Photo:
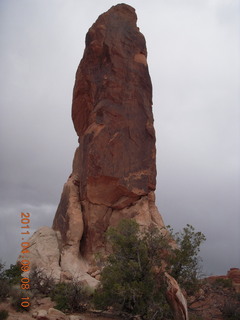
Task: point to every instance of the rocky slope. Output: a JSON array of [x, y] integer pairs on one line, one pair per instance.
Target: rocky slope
[[217, 298]]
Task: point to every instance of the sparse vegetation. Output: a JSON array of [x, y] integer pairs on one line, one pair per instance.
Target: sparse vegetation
[[3, 314], [128, 282], [40, 282], [8, 280], [195, 317], [13, 274], [16, 300], [71, 297], [133, 280], [224, 283], [5, 287], [2, 265], [237, 296], [231, 310], [185, 262]]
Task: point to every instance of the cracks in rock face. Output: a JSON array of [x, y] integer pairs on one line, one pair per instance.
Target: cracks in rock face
[[59, 260], [131, 138]]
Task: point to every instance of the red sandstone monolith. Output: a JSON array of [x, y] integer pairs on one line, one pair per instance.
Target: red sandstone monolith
[[114, 167], [114, 170]]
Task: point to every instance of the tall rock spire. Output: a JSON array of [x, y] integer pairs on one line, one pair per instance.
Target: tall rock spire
[[112, 112], [114, 170]]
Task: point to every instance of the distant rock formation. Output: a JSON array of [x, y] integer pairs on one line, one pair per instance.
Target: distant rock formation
[[114, 167], [233, 274]]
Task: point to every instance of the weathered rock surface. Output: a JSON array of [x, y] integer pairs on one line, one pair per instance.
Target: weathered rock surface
[[112, 113], [40, 315], [114, 167], [55, 312], [176, 299], [48, 255], [51, 314], [44, 252]]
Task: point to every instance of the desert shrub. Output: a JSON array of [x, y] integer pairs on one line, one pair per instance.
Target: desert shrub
[[133, 279], [40, 282], [194, 316], [72, 297], [13, 274], [16, 300], [8, 278], [237, 297], [224, 283], [3, 314], [5, 289], [129, 281], [231, 310], [185, 262], [2, 265]]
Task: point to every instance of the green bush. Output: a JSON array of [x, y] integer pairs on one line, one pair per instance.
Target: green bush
[[13, 274], [224, 283], [185, 261], [40, 282], [133, 279], [72, 297], [5, 289], [129, 283], [7, 279], [2, 265], [231, 310], [3, 314]]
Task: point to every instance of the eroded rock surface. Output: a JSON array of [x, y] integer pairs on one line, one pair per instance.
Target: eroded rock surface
[[176, 299], [112, 113], [114, 168], [44, 252]]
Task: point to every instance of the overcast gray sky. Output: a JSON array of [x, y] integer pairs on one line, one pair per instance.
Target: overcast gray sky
[[194, 61]]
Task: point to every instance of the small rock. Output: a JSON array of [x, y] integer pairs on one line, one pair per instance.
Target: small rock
[[92, 270], [96, 273], [45, 300], [42, 315], [76, 317], [66, 275], [191, 299], [57, 313], [201, 292], [137, 317]]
